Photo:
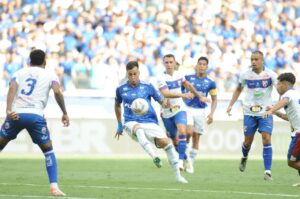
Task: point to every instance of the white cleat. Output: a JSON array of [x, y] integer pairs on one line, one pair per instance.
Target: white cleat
[[180, 165], [181, 179], [268, 177], [188, 165], [56, 192], [296, 184]]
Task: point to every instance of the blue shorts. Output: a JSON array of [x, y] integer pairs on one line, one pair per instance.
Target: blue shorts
[[170, 123], [253, 123], [294, 149], [35, 125]]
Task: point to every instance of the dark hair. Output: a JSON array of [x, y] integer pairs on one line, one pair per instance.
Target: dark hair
[[169, 55], [130, 65], [37, 57], [289, 77], [203, 58], [258, 52]]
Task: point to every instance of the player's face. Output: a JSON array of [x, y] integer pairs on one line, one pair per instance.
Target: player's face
[[201, 67], [281, 87], [257, 62], [133, 76], [169, 63]]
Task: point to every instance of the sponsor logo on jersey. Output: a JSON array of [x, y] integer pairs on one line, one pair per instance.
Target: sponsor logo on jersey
[[6, 125], [44, 130]]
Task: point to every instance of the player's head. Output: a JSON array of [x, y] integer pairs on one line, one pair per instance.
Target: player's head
[[285, 82], [37, 58], [133, 73], [169, 63], [202, 66], [257, 61]]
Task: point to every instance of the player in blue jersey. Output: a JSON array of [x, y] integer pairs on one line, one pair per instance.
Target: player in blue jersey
[[196, 108], [26, 99], [144, 129], [174, 118], [258, 83], [290, 101]]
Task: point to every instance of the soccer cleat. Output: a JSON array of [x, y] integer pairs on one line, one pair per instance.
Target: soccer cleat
[[296, 184], [56, 192], [188, 165], [157, 161], [181, 179], [268, 177], [180, 165], [243, 164]]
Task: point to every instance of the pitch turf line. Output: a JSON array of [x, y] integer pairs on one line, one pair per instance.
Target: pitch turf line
[[30, 196], [155, 189]]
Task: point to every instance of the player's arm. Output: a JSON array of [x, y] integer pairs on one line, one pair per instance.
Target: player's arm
[[213, 107], [235, 96], [275, 109], [191, 88], [118, 113], [168, 94], [61, 103], [13, 86]]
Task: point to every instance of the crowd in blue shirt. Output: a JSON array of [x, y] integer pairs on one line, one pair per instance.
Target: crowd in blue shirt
[[89, 42]]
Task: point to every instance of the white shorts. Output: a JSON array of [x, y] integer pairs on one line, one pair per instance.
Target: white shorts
[[196, 118], [151, 130]]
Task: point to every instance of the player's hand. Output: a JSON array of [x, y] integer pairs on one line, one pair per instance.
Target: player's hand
[[228, 111], [188, 95], [12, 115], [268, 108], [209, 119], [119, 130], [204, 99], [267, 113], [65, 120]]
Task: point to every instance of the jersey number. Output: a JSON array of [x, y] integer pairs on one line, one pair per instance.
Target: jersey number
[[31, 84]]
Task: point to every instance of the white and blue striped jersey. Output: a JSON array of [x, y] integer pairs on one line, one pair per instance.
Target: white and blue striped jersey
[[34, 84], [126, 94], [174, 84], [292, 109], [258, 90], [203, 86]]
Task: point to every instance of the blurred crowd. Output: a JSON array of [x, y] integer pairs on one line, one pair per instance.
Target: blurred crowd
[[88, 42]]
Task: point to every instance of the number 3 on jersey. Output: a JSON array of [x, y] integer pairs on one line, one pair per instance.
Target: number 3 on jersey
[[30, 84]]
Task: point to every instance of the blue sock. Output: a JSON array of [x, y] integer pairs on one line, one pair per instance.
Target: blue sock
[[182, 147], [51, 166], [267, 155], [245, 150]]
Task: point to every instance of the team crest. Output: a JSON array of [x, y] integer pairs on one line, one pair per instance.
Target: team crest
[[265, 83], [6, 126], [44, 130]]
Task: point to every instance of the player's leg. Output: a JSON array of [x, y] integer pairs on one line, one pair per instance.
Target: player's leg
[[3, 143], [38, 130], [294, 155], [137, 132], [195, 146], [180, 121], [265, 127], [9, 131], [250, 127]]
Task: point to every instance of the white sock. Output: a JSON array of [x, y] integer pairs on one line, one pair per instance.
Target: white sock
[[193, 154], [268, 171], [172, 158], [54, 185], [144, 142]]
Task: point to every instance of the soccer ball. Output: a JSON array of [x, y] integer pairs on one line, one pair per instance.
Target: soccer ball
[[139, 106]]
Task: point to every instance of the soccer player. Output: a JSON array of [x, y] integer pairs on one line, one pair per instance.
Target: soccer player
[[144, 129], [196, 108], [26, 99], [290, 101], [258, 82], [174, 118]]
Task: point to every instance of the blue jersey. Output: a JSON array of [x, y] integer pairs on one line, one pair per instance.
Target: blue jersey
[[203, 86], [126, 94]]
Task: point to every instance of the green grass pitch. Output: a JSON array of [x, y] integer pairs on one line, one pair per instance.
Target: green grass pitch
[[120, 178]]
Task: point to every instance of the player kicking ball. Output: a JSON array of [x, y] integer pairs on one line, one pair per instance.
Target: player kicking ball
[[290, 101], [142, 126], [26, 99]]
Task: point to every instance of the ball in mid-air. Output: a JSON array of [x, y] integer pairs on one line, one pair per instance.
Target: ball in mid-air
[[139, 106]]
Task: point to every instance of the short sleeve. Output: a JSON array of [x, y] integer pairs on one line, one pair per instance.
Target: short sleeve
[[118, 98]]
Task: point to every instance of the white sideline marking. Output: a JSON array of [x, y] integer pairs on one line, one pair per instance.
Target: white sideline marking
[[147, 188], [30, 196]]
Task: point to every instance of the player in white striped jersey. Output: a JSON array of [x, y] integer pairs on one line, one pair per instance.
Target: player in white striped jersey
[[174, 118], [26, 99], [290, 101], [258, 82]]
